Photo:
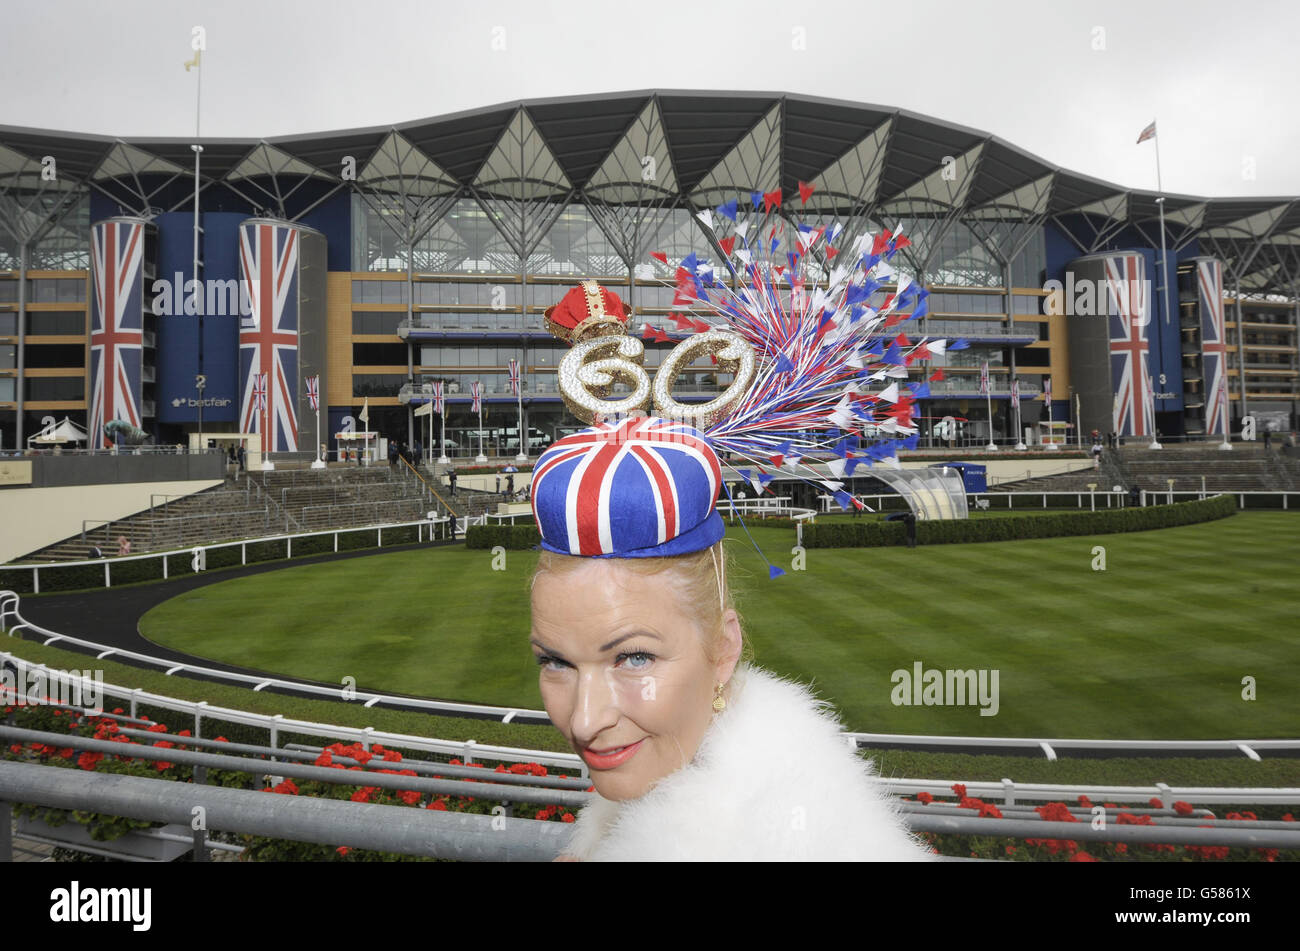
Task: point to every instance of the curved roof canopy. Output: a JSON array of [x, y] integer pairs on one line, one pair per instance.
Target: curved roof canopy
[[624, 153]]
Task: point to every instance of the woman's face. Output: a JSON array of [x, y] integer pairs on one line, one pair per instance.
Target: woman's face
[[624, 675]]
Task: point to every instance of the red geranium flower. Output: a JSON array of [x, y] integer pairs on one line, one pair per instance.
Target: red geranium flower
[[342, 850], [1155, 802], [990, 811], [568, 817], [925, 797], [959, 790], [1082, 857], [1183, 808]]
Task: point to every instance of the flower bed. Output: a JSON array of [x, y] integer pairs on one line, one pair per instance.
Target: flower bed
[[1069, 850], [105, 828]]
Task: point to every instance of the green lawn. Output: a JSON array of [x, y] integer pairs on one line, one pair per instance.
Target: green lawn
[[1155, 646]]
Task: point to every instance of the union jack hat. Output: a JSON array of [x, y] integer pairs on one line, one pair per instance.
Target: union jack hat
[[640, 487]]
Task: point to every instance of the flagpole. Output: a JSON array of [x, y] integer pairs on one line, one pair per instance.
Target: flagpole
[[320, 446], [1164, 282], [992, 446], [1020, 435], [478, 398], [519, 392], [1223, 397], [987, 385], [1051, 423], [267, 464]]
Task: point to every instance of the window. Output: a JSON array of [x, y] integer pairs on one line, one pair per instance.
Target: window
[[8, 390], [383, 322], [56, 388], [379, 354], [377, 384], [62, 290], [42, 356], [8, 291], [8, 357], [8, 324], [56, 322]]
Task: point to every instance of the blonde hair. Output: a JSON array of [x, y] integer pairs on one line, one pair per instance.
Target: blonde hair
[[700, 578]]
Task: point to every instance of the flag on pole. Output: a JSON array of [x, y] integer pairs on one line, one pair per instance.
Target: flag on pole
[[1047, 390], [1148, 133], [437, 397], [984, 379], [514, 377], [259, 391], [476, 389], [364, 415], [313, 391], [1015, 393]]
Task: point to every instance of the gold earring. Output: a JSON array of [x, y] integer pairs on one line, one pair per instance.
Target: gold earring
[[719, 704]]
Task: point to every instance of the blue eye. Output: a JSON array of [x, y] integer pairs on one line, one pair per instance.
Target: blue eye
[[546, 662], [641, 659]]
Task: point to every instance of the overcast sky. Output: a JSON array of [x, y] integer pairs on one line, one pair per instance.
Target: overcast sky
[[1072, 82]]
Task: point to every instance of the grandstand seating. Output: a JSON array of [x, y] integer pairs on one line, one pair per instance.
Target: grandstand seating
[[265, 503], [1246, 468]]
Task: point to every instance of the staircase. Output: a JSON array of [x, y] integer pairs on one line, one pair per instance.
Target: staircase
[[1247, 467], [225, 512]]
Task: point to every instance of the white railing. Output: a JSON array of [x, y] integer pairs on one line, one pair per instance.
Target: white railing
[[1048, 748], [9, 608], [276, 724], [1008, 790], [1157, 497], [198, 553]]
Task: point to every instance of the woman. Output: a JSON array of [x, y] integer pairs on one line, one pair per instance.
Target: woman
[[695, 754]]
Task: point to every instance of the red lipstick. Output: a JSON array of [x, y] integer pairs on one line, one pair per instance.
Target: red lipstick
[[611, 757]]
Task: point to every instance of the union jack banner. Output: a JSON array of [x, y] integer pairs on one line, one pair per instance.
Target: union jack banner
[[627, 486], [1015, 393], [268, 337], [514, 377], [984, 379], [1047, 389], [313, 391], [1214, 345], [476, 389], [437, 397], [1129, 371], [116, 326], [1148, 133], [259, 395]]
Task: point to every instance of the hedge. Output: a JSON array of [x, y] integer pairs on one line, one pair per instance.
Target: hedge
[[510, 537], [874, 533]]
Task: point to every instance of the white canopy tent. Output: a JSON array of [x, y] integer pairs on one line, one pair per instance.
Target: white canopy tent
[[61, 432]]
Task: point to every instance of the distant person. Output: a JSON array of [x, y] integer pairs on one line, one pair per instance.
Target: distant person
[[243, 458], [94, 552], [451, 478], [392, 454], [510, 485], [1135, 496], [123, 546], [418, 452], [1096, 452], [1268, 439]]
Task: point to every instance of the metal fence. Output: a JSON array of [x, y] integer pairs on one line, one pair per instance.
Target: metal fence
[[425, 527], [13, 621]]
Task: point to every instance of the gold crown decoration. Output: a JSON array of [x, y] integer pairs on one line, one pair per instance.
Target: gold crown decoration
[[586, 312]]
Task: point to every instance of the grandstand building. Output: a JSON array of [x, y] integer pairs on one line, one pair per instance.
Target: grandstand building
[[382, 261]]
